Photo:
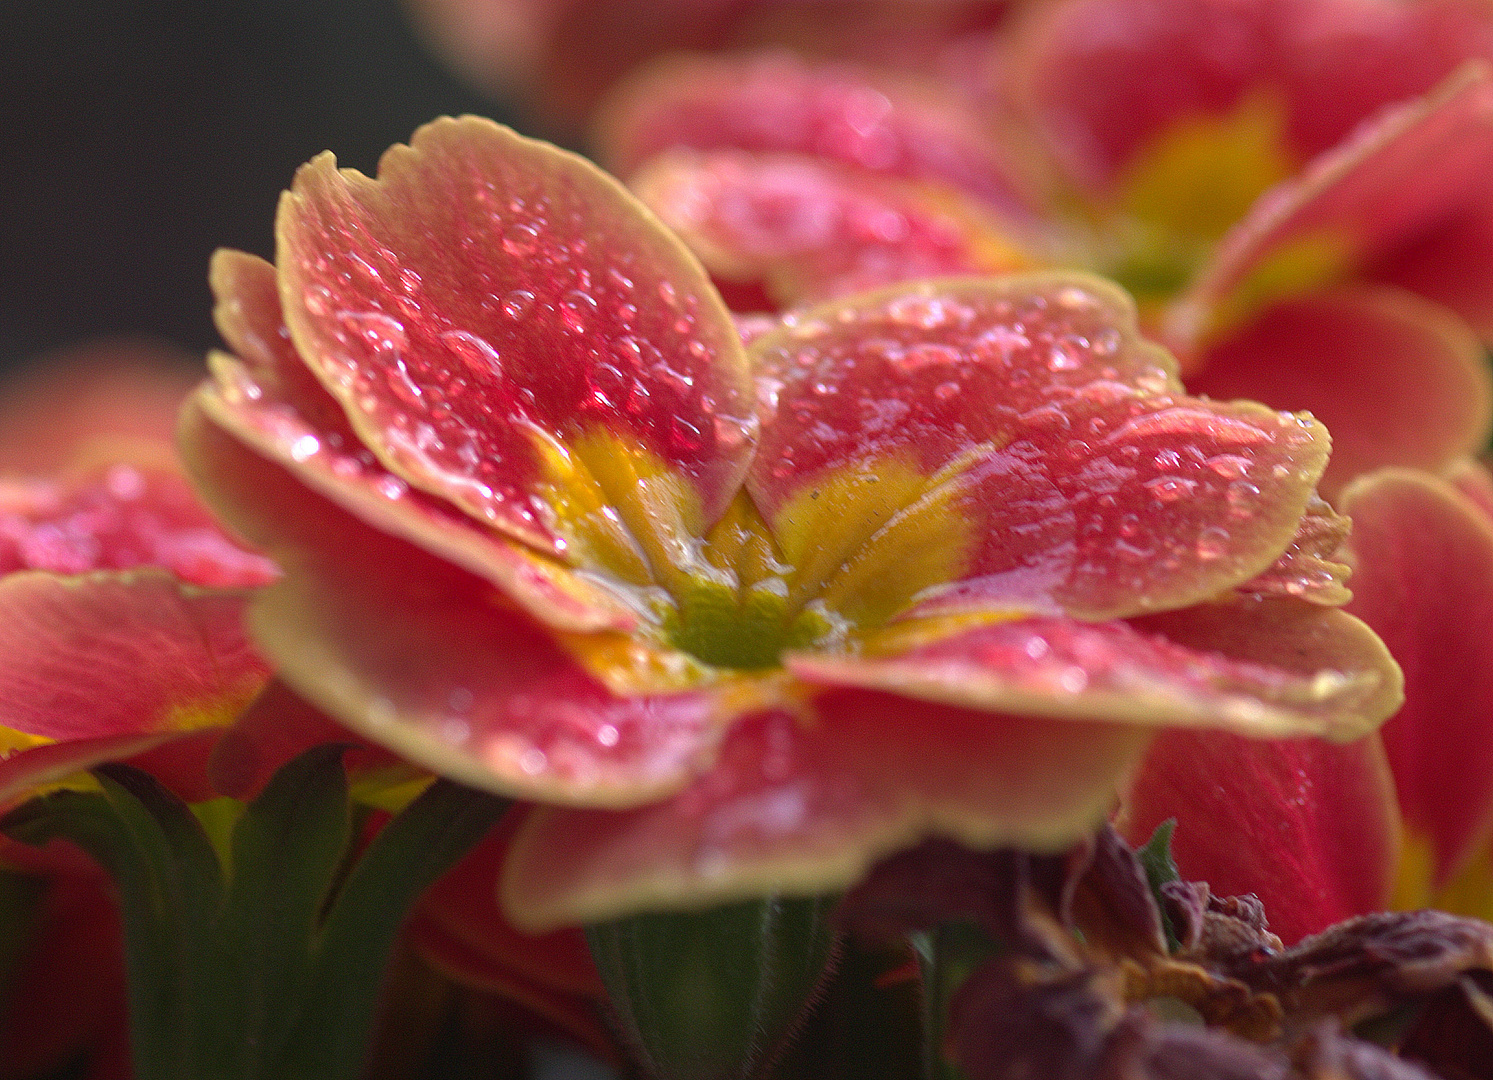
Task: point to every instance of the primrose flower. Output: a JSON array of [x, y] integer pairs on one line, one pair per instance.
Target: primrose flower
[[558, 56], [1295, 191], [937, 559], [1403, 818]]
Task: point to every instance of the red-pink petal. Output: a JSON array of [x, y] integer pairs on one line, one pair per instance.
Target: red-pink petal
[[805, 805], [1104, 78], [118, 390], [1396, 178], [1308, 827], [240, 408], [127, 653], [117, 515], [1451, 263], [1423, 579], [1260, 668], [1086, 479], [808, 230], [24, 771], [419, 655], [1396, 379], [487, 291], [776, 102]]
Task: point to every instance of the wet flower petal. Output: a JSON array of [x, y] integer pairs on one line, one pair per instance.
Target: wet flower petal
[[803, 805], [128, 653], [777, 103], [1107, 78], [116, 515], [1423, 557], [1396, 379], [270, 402], [455, 678], [1392, 179], [486, 299], [808, 230], [1015, 437], [1260, 668], [1308, 827]]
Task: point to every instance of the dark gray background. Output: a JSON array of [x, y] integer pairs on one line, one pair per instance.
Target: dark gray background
[[138, 135]]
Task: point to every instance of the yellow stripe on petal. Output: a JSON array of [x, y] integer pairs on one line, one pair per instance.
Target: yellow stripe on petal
[[1471, 891], [12, 740], [1200, 175], [868, 538]]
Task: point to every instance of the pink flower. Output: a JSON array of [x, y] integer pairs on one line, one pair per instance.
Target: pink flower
[[1403, 818], [1296, 190], [937, 559]]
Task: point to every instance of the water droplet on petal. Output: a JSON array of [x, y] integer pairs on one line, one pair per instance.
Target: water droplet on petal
[[1168, 489], [480, 357], [304, 447], [518, 303], [520, 240], [1212, 543]]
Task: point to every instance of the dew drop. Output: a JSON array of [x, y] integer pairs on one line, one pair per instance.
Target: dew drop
[[520, 240], [667, 293], [304, 447], [946, 391], [576, 309], [125, 482], [517, 303], [1168, 489], [533, 760], [1129, 526], [391, 487], [1241, 497], [1229, 466], [1168, 459], [383, 333], [479, 357], [1212, 543], [608, 735]]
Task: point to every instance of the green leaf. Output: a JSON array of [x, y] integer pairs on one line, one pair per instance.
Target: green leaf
[[1156, 859], [287, 847], [170, 886], [331, 1037], [713, 995]]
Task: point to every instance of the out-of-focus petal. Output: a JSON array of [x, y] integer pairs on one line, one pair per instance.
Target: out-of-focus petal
[[1402, 174], [777, 103], [117, 515], [1309, 827], [115, 390], [276, 727], [129, 653], [1014, 437], [808, 230], [1397, 380], [1423, 579], [1451, 263], [464, 903], [804, 804], [1266, 668], [46, 763], [489, 299], [1106, 79], [424, 658]]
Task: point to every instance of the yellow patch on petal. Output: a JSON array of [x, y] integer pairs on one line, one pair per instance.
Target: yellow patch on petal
[[622, 512], [867, 539], [1201, 174], [1293, 268], [390, 789], [1412, 887], [1470, 892], [12, 740]]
